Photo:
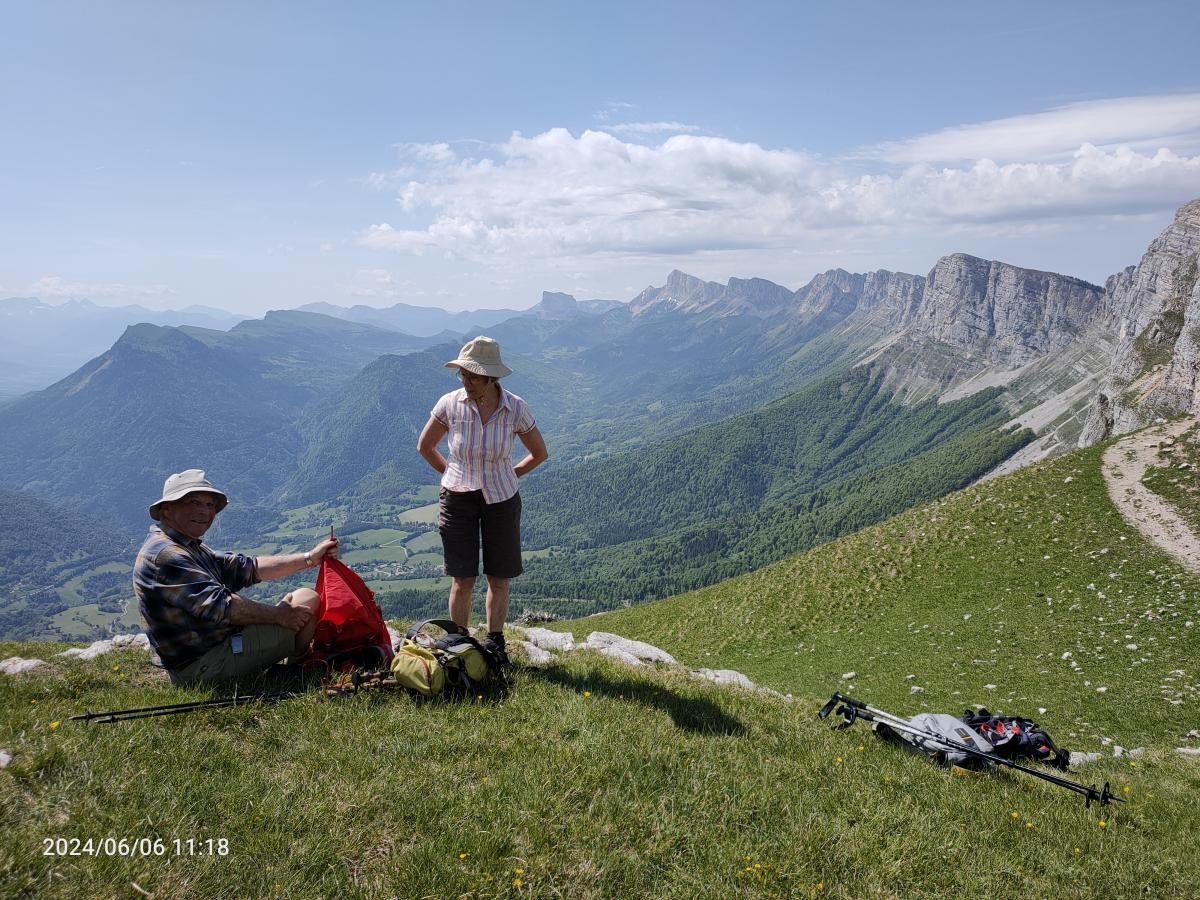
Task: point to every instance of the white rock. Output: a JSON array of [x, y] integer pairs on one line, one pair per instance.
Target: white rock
[[916, 690], [1188, 751], [725, 677], [1118, 750], [1193, 733], [1131, 646], [15, 665], [620, 656], [545, 639], [846, 676], [989, 687], [1041, 710], [537, 656], [966, 616], [119, 642], [1067, 655], [1101, 690], [598, 640], [1136, 752], [1078, 759], [394, 636], [909, 677], [5, 758]]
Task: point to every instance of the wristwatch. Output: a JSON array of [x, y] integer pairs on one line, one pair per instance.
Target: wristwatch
[[308, 560]]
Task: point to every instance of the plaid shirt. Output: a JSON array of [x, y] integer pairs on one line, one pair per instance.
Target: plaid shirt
[[183, 591], [480, 456]]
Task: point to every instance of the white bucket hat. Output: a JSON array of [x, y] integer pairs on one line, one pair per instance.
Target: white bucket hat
[[480, 356], [180, 485]]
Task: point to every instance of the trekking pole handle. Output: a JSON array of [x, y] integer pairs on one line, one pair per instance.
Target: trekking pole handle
[[828, 707]]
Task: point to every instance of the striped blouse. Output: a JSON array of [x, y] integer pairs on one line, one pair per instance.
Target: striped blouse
[[480, 456]]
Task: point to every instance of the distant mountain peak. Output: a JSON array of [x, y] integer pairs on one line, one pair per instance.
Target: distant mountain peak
[[710, 299]]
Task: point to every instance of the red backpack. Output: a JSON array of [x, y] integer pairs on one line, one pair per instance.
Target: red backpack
[[350, 629]]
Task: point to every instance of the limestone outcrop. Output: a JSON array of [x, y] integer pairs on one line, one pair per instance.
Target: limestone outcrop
[[1154, 308]]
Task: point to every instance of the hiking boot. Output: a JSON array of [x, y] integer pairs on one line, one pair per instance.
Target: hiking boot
[[494, 644]]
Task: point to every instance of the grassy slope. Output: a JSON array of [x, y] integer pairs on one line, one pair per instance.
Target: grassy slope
[[989, 586], [595, 780]]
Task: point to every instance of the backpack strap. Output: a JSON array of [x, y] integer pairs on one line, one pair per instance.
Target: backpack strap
[[459, 635], [447, 625]]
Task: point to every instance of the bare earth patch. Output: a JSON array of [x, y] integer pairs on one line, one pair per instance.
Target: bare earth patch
[[1124, 464]]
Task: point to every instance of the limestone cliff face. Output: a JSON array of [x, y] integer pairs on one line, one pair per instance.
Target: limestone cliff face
[[1154, 308], [1007, 314]]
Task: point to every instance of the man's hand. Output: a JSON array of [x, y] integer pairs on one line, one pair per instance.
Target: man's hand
[[327, 547], [293, 618]]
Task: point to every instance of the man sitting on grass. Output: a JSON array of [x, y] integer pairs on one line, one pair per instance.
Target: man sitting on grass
[[199, 626]]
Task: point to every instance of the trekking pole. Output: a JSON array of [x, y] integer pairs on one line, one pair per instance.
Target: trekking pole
[[171, 709], [851, 709]]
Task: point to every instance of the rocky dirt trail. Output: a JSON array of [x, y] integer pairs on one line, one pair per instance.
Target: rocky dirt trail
[[1124, 464]]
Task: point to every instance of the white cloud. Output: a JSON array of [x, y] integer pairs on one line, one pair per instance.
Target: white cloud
[[561, 198], [638, 128], [1144, 123], [54, 287]]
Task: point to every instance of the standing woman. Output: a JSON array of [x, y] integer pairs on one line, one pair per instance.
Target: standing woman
[[479, 499]]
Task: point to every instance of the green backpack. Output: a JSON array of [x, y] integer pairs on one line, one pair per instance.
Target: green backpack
[[452, 666]]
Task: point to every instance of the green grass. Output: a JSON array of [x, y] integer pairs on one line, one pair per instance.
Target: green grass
[[596, 780], [430, 540], [427, 515], [592, 779], [1177, 479], [989, 586]]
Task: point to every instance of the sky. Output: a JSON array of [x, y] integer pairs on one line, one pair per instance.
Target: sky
[[255, 156]]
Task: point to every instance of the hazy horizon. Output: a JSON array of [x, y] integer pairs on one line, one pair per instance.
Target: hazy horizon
[[265, 156]]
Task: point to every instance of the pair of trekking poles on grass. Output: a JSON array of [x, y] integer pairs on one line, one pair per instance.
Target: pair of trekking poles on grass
[[942, 736], [949, 741]]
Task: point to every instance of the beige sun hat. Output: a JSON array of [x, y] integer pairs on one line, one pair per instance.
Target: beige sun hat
[[181, 484], [480, 356]]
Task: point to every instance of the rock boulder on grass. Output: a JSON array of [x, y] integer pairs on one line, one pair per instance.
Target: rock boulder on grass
[[599, 640], [546, 639], [15, 665], [725, 677]]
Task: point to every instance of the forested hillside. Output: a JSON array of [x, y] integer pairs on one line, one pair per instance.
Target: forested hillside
[[730, 497], [41, 547]]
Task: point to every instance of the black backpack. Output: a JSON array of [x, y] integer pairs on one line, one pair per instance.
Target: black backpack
[[1015, 738]]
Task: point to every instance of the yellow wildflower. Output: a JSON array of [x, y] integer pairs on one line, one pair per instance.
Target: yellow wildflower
[[463, 855], [55, 724], [839, 759], [1015, 814], [1028, 824], [516, 882], [1102, 824], [587, 693]]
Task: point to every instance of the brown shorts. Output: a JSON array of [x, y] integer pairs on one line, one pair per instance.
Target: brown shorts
[[262, 644], [465, 522]]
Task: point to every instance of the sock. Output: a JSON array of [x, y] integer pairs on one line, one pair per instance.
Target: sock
[[496, 637]]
